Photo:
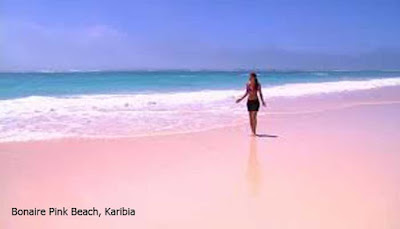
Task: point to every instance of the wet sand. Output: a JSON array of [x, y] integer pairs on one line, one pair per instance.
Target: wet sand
[[329, 161]]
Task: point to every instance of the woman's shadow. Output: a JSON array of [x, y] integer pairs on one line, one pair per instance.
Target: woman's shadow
[[266, 136]]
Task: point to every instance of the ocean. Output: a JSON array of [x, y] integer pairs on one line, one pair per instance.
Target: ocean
[[99, 104]]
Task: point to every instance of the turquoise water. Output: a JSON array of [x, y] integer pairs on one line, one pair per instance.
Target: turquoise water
[[16, 85], [40, 106]]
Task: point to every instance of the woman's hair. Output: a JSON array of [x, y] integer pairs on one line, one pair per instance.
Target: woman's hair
[[253, 74]]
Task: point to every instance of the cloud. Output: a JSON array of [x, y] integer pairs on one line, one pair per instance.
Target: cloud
[[33, 46]]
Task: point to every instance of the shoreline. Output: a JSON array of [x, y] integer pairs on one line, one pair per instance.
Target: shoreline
[[307, 104]]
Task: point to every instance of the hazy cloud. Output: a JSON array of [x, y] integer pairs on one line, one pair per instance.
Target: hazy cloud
[[34, 46]]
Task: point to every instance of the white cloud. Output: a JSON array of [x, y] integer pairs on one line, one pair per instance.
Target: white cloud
[[33, 46], [28, 45]]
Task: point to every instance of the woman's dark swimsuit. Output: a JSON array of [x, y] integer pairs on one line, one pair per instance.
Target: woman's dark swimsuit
[[253, 105]]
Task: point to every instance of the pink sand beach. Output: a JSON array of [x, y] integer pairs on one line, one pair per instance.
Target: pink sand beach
[[326, 161]]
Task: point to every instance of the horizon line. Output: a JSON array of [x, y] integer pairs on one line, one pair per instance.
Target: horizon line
[[194, 70]]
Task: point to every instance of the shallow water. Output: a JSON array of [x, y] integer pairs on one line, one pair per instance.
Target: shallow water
[[124, 104]]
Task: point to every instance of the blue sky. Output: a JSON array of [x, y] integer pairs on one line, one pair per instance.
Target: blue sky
[[88, 35]]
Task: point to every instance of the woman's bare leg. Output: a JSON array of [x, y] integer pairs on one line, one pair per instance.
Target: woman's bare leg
[[252, 122], [255, 122]]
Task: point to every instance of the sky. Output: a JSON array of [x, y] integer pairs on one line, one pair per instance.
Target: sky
[[204, 34]]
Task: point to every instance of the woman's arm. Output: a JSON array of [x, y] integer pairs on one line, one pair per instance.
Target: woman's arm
[[244, 96], [261, 95]]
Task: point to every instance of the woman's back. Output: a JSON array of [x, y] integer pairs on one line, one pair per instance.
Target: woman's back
[[252, 89]]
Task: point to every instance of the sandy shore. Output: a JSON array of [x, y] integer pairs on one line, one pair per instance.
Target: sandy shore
[[334, 163]]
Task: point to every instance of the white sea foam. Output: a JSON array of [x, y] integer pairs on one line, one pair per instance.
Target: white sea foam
[[124, 115], [302, 89]]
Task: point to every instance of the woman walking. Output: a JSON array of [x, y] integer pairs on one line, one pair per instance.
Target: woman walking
[[253, 87]]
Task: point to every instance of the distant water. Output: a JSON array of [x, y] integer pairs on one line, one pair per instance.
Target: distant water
[[36, 106]]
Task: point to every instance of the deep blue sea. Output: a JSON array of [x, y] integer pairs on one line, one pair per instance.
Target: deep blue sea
[[46, 105], [17, 85]]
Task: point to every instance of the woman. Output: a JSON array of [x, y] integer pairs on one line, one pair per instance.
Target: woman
[[253, 104]]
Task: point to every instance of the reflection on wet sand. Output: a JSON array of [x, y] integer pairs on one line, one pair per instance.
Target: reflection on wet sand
[[253, 169]]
